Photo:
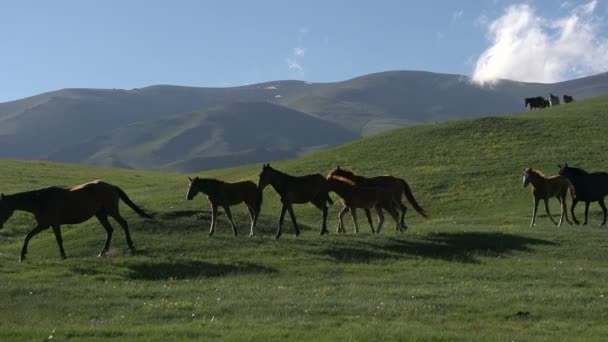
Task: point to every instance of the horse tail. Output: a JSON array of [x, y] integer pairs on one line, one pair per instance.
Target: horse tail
[[123, 196], [410, 198], [258, 200]]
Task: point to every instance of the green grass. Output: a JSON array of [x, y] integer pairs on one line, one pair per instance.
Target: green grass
[[461, 275]]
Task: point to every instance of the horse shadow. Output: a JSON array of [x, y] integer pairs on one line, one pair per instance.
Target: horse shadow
[[462, 247], [188, 269]]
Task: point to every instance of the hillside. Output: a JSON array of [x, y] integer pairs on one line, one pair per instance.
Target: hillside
[[475, 268], [71, 124]]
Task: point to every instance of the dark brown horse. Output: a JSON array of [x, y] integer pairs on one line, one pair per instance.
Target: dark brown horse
[[398, 185], [55, 206], [225, 194], [354, 196], [545, 188], [568, 99], [588, 187], [536, 102], [296, 190]]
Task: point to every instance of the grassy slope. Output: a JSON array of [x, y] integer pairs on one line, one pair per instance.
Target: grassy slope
[[462, 274]]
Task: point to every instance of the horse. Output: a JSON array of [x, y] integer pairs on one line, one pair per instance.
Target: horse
[[535, 102], [54, 206], [225, 194], [568, 99], [354, 196], [588, 187], [395, 184], [545, 188], [553, 100], [296, 190]]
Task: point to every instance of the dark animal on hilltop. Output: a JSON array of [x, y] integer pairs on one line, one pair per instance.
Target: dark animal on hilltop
[[545, 188], [354, 196], [588, 187], [553, 100], [223, 194], [568, 99], [55, 206], [295, 190], [536, 102], [395, 184]]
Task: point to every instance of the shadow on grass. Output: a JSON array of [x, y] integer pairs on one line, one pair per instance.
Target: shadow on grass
[[188, 269], [171, 215], [464, 247]]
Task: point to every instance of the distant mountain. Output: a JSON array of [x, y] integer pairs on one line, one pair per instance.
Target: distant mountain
[[189, 128]]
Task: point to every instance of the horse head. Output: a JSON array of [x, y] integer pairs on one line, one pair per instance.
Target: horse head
[[192, 188], [527, 178], [265, 177], [6, 210]]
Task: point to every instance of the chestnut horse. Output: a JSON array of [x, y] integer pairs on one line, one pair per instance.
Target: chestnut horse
[[588, 187], [296, 190], [225, 194], [55, 206], [544, 188], [354, 196], [395, 184]]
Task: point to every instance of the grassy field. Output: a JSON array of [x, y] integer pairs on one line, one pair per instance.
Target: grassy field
[[473, 271]]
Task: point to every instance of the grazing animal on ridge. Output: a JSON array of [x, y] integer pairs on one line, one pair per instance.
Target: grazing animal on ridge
[[536, 102], [225, 194], [54, 206], [568, 99], [354, 196], [553, 100], [544, 188], [295, 190], [588, 187], [395, 184]]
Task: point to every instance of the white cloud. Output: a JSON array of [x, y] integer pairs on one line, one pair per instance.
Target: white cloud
[[299, 51], [457, 15], [528, 47], [293, 64]]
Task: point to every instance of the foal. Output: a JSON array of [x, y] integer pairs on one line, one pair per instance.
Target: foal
[[354, 196], [545, 188], [225, 194], [55, 206], [296, 190]]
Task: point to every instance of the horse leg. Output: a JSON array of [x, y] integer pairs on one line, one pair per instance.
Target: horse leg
[[369, 219], [281, 218], [380, 219], [546, 200], [293, 220], [125, 226], [353, 213], [213, 219], [534, 210], [253, 217], [393, 212], [565, 209], [28, 237], [574, 202], [603, 205], [103, 219], [586, 212], [403, 209], [57, 231], [324, 226], [561, 216], [229, 214], [341, 220]]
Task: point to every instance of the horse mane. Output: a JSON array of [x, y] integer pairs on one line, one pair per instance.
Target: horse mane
[[536, 172], [343, 180], [577, 170]]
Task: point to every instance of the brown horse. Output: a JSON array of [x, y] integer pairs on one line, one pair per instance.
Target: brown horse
[[296, 190], [354, 196], [225, 194], [544, 188], [398, 185], [55, 206]]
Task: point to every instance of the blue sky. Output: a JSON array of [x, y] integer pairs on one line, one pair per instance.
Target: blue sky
[[49, 45]]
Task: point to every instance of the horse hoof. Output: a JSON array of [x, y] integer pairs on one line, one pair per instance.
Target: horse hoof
[[63, 257], [22, 258], [277, 237]]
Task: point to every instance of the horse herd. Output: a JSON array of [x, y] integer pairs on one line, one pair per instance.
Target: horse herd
[[583, 186], [540, 102], [56, 206]]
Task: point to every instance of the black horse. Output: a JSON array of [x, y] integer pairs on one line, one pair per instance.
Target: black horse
[[588, 187], [536, 102]]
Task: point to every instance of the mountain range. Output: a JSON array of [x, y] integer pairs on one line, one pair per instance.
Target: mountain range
[[195, 128]]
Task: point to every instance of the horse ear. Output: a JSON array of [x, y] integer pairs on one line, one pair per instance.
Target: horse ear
[[190, 179], [2, 196], [338, 167], [566, 165]]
